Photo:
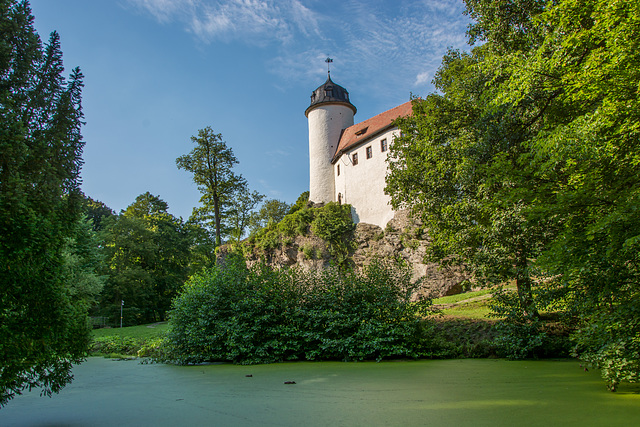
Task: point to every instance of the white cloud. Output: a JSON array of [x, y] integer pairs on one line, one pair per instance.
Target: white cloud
[[257, 21], [305, 19], [422, 78], [378, 44], [165, 10]]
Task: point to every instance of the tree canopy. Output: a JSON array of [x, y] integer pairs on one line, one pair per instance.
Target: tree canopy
[[211, 163], [43, 324], [148, 254], [525, 165]]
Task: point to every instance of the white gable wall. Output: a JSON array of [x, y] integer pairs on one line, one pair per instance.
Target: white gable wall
[[362, 185]]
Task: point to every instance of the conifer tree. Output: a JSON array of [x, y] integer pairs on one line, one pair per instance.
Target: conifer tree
[[43, 326]]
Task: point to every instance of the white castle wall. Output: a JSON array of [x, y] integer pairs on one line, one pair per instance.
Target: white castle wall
[[362, 185], [326, 122]]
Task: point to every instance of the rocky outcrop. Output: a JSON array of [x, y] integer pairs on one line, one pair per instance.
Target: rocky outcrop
[[405, 238], [402, 238]]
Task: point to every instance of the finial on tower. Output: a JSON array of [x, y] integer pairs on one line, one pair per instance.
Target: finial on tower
[[328, 61]]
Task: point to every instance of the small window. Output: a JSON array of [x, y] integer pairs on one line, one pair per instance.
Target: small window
[[338, 169], [339, 198], [369, 152], [354, 159], [383, 145], [328, 91]]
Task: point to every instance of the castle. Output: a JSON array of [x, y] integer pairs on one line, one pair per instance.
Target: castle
[[347, 161]]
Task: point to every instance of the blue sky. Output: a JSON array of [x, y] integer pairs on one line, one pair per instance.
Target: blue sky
[[156, 71]]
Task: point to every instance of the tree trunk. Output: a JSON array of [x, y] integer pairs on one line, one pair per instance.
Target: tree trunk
[[523, 284], [216, 214]]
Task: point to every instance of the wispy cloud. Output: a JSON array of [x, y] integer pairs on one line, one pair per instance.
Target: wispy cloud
[[166, 10], [256, 21], [385, 45], [422, 79], [267, 188]]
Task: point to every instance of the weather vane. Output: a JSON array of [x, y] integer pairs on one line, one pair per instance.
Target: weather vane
[[328, 61]]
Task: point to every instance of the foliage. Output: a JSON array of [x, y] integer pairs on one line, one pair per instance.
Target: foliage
[[139, 332], [140, 341], [271, 212], [84, 261], [97, 212], [211, 163], [241, 212], [148, 254], [146, 205], [585, 71], [523, 335], [611, 343], [457, 338], [525, 168], [43, 327], [301, 202], [115, 345], [311, 252], [264, 315], [462, 167], [333, 223], [125, 345]]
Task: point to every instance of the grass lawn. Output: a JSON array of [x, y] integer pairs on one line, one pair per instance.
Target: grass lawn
[[125, 342], [469, 305], [141, 332]]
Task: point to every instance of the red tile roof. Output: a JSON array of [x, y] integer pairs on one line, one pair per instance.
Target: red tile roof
[[364, 131]]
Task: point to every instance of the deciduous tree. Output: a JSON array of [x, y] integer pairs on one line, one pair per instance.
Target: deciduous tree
[[272, 211], [211, 163], [530, 152], [148, 252], [241, 210]]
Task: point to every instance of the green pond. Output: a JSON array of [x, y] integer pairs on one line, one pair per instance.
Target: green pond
[[400, 393]]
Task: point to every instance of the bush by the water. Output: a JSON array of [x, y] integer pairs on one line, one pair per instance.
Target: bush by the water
[[521, 335], [261, 315]]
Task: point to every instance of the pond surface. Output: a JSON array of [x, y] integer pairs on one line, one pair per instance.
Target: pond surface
[[403, 393]]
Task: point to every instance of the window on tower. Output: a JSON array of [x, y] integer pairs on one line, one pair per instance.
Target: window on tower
[[328, 91], [354, 159], [383, 145], [369, 152], [338, 169]]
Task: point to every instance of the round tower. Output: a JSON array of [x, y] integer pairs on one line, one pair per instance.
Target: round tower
[[329, 114]]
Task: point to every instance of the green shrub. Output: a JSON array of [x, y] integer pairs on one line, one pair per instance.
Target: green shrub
[[296, 223], [110, 345], [309, 251], [151, 348], [115, 344], [457, 338], [333, 223], [366, 315], [522, 336], [610, 341], [264, 315]]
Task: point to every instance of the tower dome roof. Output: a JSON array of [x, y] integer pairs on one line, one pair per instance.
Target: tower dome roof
[[330, 93]]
